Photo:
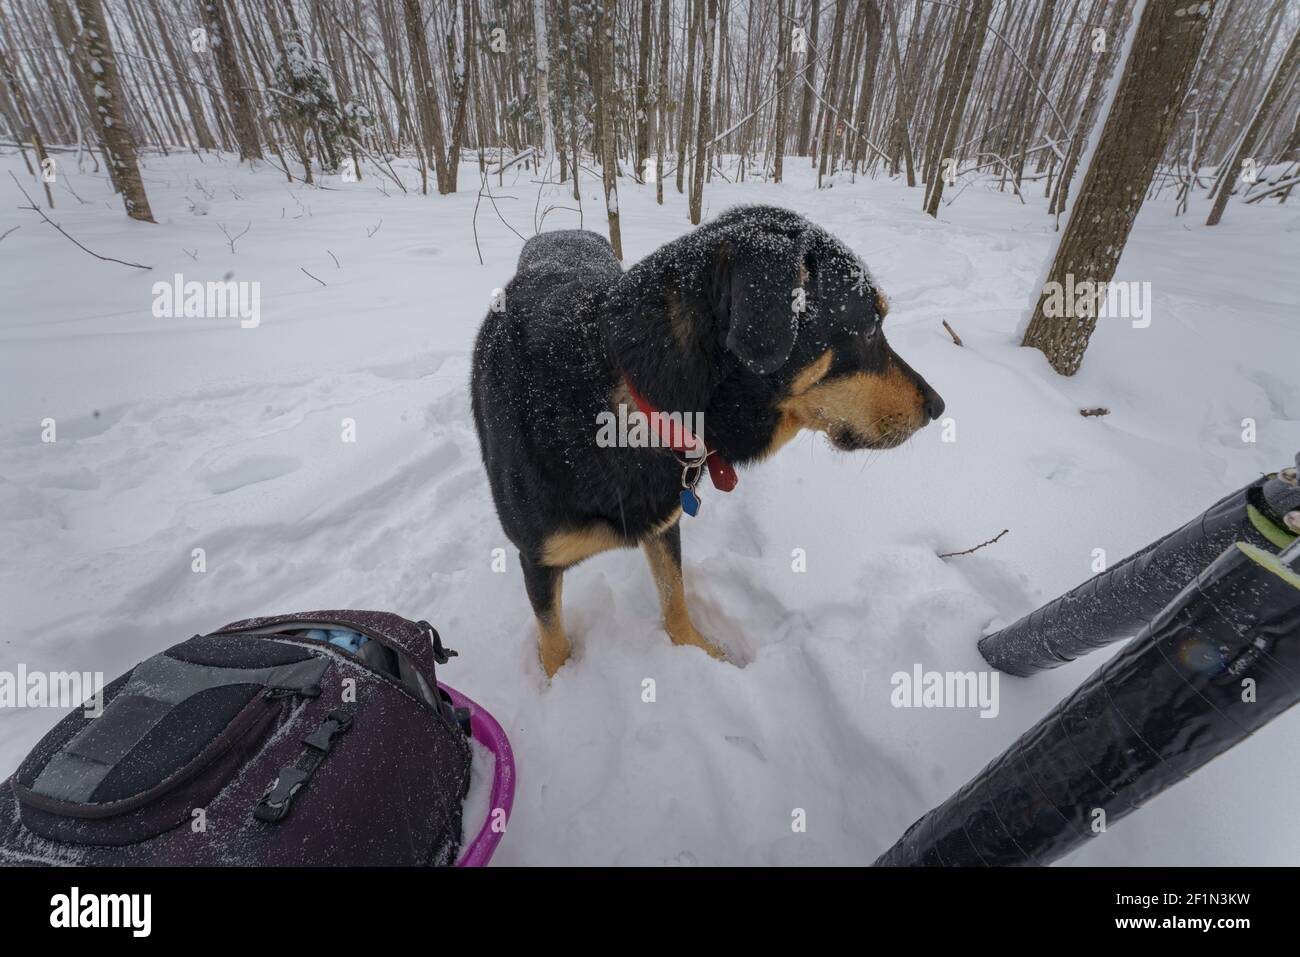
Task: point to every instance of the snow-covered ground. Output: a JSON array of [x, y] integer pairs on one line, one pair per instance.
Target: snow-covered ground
[[177, 434]]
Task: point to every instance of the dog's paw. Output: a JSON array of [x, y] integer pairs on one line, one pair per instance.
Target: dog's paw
[[692, 637], [553, 662], [553, 650], [713, 649]]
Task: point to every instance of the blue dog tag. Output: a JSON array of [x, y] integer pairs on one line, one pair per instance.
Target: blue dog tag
[[690, 502]]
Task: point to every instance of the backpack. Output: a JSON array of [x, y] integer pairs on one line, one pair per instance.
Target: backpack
[[314, 738]]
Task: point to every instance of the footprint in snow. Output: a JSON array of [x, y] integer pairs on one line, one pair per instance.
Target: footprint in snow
[[250, 471]]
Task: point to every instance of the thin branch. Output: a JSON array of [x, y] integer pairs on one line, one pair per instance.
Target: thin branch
[[231, 240], [977, 547], [1275, 188], [485, 185], [36, 209]]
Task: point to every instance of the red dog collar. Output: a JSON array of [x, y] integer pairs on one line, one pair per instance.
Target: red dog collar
[[680, 439]]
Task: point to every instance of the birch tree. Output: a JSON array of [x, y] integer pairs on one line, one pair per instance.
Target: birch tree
[[603, 40], [704, 125], [543, 78]]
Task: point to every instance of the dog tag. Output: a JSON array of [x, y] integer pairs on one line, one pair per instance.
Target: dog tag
[[690, 502]]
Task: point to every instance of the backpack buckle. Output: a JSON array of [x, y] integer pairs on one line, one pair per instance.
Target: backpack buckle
[[322, 739], [275, 802]]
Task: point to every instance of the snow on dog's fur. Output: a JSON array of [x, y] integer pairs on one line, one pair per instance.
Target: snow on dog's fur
[[759, 323]]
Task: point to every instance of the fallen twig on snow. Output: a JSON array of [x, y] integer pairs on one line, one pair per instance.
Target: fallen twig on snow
[[231, 240], [36, 209], [977, 547], [1275, 188]]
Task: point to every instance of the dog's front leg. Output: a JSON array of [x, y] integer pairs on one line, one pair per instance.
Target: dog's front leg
[[544, 585], [664, 552]]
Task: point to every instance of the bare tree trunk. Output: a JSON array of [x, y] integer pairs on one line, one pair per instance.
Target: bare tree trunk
[[110, 110], [847, 81], [462, 69], [871, 57], [721, 55], [1142, 117], [687, 121], [543, 76], [425, 93], [828, 120], [242, 111], [665, 49], [810, 65], [1105, 67], [783, 80], [603, 38], [706, 101], [643, 93], [25, 114], [192, 103], [69, 34], [1276, 88], [968, 55], [570, 69], [902, 102]]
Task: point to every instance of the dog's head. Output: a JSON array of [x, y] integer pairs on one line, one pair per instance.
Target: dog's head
[[774, 326], [803, 313]]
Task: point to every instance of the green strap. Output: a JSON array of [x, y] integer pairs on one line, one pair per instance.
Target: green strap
[[1279, 537], [1270, 562]]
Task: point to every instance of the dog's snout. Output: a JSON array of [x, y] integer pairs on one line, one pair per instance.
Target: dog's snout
[[931, 403]]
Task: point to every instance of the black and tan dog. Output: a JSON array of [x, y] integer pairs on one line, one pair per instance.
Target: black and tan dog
[[761, 322]]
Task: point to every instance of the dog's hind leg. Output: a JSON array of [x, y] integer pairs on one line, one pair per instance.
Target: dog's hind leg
[[664, 552], [544, 585]]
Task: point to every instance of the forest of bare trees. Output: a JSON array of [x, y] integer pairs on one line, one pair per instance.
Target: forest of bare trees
[[942, 94]]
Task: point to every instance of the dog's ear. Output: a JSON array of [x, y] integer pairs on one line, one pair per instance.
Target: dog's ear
[[755, 282], [840, 282]]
